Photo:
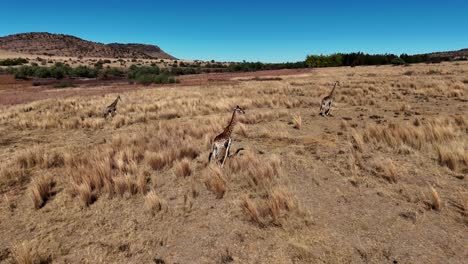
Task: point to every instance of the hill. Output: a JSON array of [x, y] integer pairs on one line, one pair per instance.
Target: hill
[[42, 43], [463, 53]]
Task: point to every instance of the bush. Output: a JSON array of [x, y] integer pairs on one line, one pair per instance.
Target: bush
[[43, 72], [134, 72], [64, 85], [397, 61], [85, 72], [114, 72], [24, 72], [98, 65], [147, 79], [60, 70], [13, 62]]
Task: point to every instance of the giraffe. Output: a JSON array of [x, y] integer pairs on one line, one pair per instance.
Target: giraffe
[[327, 102], [224, 140], [112, 108]]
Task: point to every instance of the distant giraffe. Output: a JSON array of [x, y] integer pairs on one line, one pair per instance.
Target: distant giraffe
[[111, 110], [327, 102], [223, 140]]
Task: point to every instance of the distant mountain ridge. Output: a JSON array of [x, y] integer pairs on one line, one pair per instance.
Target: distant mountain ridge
[[463, 53], [43, 43]]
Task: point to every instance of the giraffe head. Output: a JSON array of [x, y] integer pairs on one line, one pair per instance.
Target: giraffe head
[[118, 98], [239, 110]]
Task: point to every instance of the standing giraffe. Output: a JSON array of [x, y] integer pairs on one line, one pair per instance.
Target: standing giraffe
[[327, 102], [223, 140], [112, 108]]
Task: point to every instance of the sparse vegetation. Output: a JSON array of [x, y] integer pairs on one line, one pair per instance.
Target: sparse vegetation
[[64, 85], [297, 121], [436, 202], [41, 190], [13, 62], [146, 171]]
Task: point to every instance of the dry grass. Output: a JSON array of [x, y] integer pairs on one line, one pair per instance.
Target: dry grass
[[242, 130], [85, 193], [11, 204], [250, 208], [26, 253], [38, 156], [277, 205], [387, 170], [453, 156], [152, 157], [182, 168], [41, 190], [279, 201], [436, 201], [297, 121], [435, 131], [23, 254], [153, 202], [357, 140], [213, 179]]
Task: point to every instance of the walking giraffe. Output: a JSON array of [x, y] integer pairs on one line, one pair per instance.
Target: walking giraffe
[[112, 108], [327, 102], [223, 140]]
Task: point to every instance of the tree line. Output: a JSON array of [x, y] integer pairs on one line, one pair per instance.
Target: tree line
[[360, 58]]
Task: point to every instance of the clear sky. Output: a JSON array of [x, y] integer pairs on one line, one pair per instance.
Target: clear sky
[[268, 31]]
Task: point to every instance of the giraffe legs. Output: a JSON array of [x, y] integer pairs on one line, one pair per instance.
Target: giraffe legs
[[328, 109], [227, 147], [213, 153]]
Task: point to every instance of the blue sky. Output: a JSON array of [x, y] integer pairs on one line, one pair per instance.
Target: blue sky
[[266, 31]]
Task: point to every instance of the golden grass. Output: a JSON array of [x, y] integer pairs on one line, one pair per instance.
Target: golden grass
[[242, 130], [182, 168], [279, 200], [387, 170], [436, 131], [38, 156], [41, 190], [436, 201], [453, 156], [157, 146], [26, 253], [357, 140], [297, 121], [250, 208], [10, 202], [152, 202], [213, 179], [85, 193]]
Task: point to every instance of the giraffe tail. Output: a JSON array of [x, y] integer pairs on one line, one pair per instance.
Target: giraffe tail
[[237, 152]]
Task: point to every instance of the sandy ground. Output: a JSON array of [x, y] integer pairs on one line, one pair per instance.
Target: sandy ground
[[382, 180]]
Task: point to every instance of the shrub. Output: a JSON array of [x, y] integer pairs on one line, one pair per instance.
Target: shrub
[[397, 61], [85, 72], [114, 72], [13, 62], [42, 72], [60, 70], [147, 75], [64, 85], [135, 71]]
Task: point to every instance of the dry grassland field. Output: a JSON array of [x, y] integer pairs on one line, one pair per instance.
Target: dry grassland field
[[381, 180]]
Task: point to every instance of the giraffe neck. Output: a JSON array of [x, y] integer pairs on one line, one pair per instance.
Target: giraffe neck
[[228, 130], [332, 91], [114, 104]]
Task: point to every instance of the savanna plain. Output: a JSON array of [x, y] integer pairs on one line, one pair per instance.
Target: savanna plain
[[381, 180]]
